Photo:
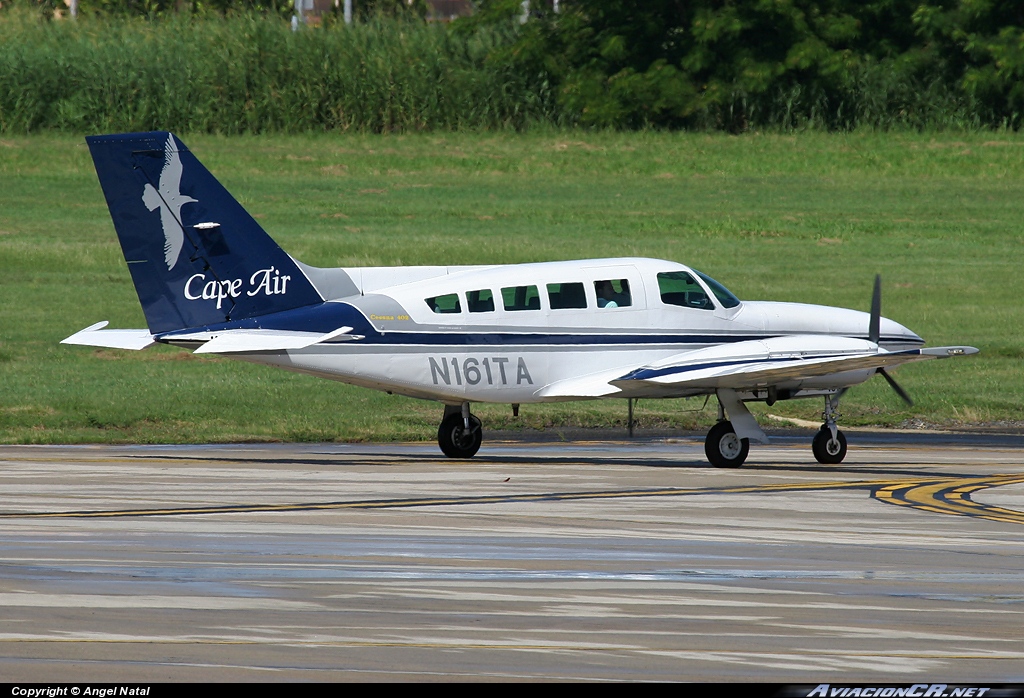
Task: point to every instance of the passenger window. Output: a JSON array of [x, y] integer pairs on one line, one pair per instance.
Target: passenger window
[[521, 298], [445, 304], [679, 288], [613, 293], [562, 296], [480, 301]]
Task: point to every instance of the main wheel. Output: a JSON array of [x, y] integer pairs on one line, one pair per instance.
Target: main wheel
[[828, 450], [724, 448], [455, 441]]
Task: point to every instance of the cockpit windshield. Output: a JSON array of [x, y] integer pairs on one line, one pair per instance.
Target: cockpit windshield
[[724, 295]]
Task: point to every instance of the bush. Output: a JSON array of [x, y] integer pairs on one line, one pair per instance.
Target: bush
[[251, 73]]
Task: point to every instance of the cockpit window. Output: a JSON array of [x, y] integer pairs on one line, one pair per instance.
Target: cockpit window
[[521, 298], [481, 301], [445, 304], [613, 293], [679, 288], [561, 296], [723, 294]]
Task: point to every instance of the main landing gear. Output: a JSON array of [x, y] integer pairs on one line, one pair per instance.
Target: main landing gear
[[459, 435], [724, 448]]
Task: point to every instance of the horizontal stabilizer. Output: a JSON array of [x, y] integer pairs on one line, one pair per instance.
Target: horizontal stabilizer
[[95, 336], [242, 341]]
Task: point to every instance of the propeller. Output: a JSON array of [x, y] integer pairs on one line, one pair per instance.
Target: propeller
[[874, 334]]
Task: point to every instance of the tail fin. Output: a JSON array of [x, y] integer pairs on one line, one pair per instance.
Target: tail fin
[[196, 257]]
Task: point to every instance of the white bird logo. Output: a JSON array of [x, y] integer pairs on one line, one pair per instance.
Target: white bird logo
[[169, 200]]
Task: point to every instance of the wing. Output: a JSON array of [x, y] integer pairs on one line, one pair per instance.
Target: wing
[[747, 365], [170, 175], [174, 237]]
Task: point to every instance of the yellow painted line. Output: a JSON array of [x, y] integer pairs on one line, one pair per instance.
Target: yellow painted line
[[953, 497], [950, 496], [453, 501]]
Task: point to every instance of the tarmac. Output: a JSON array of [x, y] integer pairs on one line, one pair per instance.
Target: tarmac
[[598, 559]]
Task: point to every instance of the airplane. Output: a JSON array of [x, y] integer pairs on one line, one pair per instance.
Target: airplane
[[210, 279]]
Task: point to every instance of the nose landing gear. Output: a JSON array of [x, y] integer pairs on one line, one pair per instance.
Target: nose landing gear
[[829, 444]]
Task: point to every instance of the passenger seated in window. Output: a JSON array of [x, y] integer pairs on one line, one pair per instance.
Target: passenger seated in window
[[608, 297], [605, 294]]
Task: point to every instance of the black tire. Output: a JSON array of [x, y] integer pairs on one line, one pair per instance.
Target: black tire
[[723, 448], [826, 450], [455, 441]]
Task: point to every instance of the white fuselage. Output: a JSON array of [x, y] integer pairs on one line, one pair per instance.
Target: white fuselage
[[508, 355]]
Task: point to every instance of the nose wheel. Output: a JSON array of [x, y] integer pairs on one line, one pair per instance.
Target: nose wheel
[[829, 444], [828, 449], [460, 434]]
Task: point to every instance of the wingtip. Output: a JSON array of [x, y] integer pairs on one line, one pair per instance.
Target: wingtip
[[946, 352]]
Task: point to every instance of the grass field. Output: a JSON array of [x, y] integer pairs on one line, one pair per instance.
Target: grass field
[[809, 217]]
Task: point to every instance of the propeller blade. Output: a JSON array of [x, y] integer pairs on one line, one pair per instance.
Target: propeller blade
[[876, 311], [895, 386]]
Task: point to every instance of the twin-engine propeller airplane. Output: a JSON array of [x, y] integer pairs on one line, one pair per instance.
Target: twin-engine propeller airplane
[[210, 279]]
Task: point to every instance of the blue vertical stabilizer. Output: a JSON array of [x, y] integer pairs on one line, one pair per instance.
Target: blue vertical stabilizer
[[196, 256]]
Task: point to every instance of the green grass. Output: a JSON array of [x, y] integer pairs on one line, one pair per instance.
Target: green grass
[[806, 218]]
